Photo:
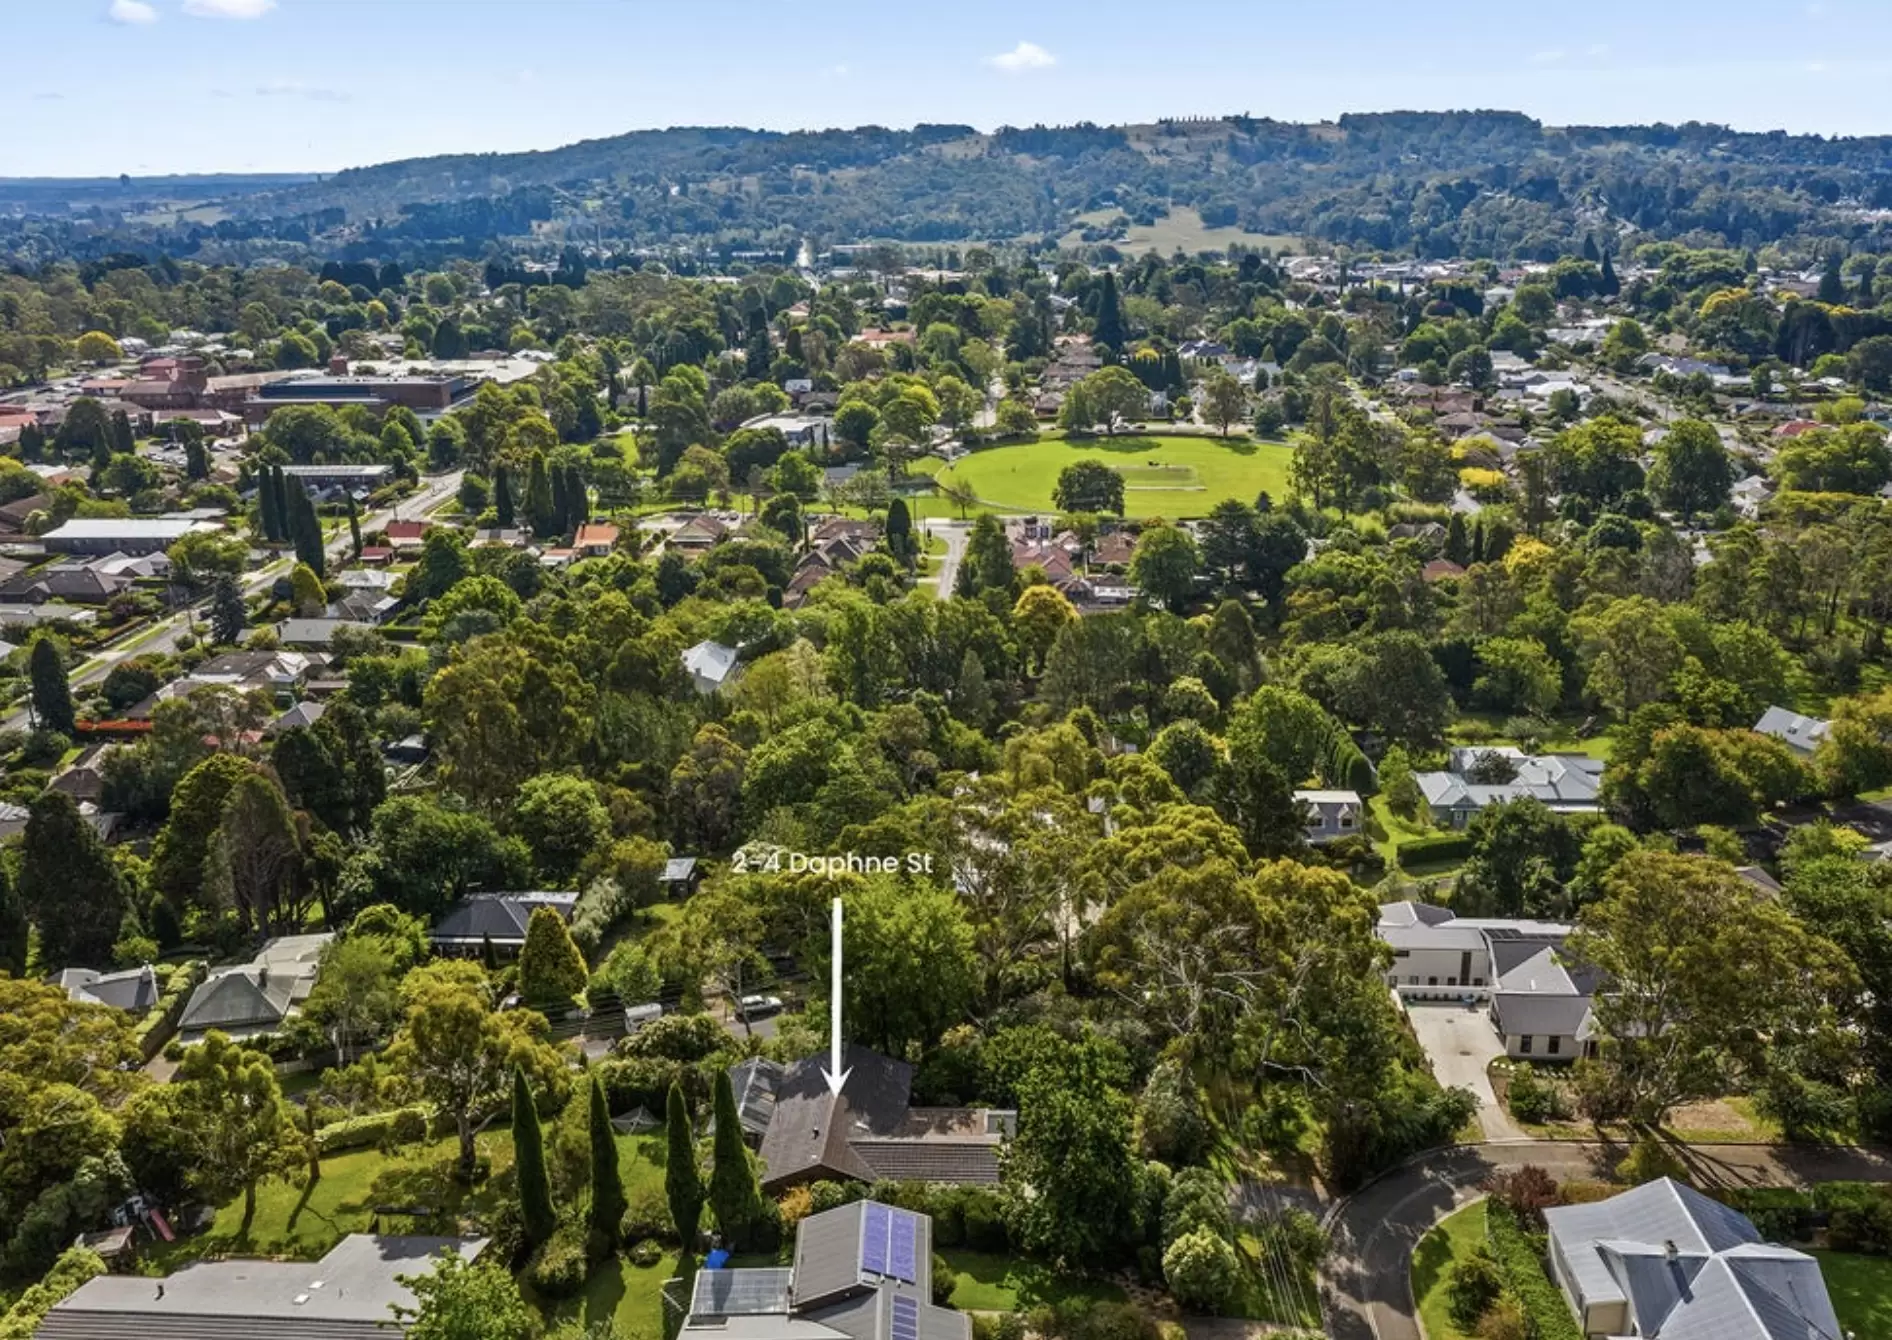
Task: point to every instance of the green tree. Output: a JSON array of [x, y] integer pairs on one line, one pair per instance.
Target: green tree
[[261, 856], [1705, 969], [354, 1000], [1693, 470], [896, 937], [683, 1183], [735, 1196], [608, 1203], [1202, 1271], [563, 822], [236, 1128], [1072, 1167], [551, 970], [456, 1053], [68, 884], [52, 693], [1088, 486], [1165, 565], [177, 856], [13, 928], [466, 1300], [536, 1212], [1224, 402]]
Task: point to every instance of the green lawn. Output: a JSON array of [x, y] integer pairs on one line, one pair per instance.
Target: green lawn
[[1262, 1297], [304, 1222], [631, 1296], [1000, 1282], [1165, 475], [1458, 1236], [1861, 1287]]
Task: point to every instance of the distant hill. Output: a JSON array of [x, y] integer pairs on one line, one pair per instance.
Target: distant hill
[[1448, 183]]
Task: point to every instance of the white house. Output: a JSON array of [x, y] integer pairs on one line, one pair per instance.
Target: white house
[[712, 667], [1801, 734], [1331, 814], [1664, 1262], [1476, 777]]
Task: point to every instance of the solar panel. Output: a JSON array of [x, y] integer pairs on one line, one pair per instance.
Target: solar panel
[[740, 1293], [906, 1319], [874, 1225], [903, 1250]]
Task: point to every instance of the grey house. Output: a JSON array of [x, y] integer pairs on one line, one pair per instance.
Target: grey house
[[861, 1272], [1475, 778], [1664, 1262], [350, 1294], [497, 918]]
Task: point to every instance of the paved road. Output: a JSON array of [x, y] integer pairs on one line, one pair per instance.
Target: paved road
[[1366, 1284], [162, 635], [1461, 1043], [954, 533]]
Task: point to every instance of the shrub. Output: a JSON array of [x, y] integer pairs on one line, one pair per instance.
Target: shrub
[[997, 1326], [1533, 1098], [646, 1253], [1197, 1202], [1471, 1287], [1202, 1270], [74, 1267], [1649, 1160], [1505, 1320], [1296, 1236], [1082, 1319], [647, 1217], [1862, 1222], [676, 1037], [380, 1130], [1527, 1192], [943, 1280], [1520, 1256], [1440, 847], [559, 1267]]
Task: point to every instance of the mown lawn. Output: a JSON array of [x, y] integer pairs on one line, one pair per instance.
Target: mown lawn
[[1861, 1287], [1203, 471], [1458, 1236], [304, 1222], [999, 1282], [1266, 1296]]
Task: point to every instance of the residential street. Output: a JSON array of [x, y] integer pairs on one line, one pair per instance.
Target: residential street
[[1366, 1283], [954, 533], [162, 635]]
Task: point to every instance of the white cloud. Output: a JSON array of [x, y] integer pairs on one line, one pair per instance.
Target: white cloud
[[1598, 49], [1551, 57], [228, 9], [1025, 56], [133, 13], [836, 71], [291, 88]]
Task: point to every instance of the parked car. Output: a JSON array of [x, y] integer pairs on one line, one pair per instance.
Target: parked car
[[758, 1007]]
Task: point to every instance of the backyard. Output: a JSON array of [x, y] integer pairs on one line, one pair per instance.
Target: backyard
[[1168, 475], [1861, 1287]]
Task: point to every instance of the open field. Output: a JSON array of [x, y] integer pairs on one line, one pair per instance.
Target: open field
[[1165, 475], [1861, 1287], [1181, 227]]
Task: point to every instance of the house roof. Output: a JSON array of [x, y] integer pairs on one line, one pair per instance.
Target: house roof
[[500, 917], [1690, 1268], [679, 868], [349, 1294], [240, 998], [1564, 782], [710, 662], [1799, 732], [595, 534], [135, 989]]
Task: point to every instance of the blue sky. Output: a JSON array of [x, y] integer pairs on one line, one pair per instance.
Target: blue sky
[[153, 86]]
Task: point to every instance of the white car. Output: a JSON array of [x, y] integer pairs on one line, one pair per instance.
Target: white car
[[758, 1007]]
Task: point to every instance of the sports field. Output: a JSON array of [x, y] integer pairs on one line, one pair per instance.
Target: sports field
[[1163, 475]]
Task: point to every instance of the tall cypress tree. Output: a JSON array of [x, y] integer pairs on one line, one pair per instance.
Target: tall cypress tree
[[561, 499], [354, 525], [577, 498], [683, 1184], [539, 514], [1110, 314], [12, 928], [269, 506], [502, 496], [124, 441], [607, 1185], [528, 1159], [32, 442], [69, 885], [52, 691], [734, 1195], [1832, 283], [307, 531], [1610, 285]]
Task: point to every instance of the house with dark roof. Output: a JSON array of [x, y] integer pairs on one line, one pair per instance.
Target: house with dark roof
[[869, 1132], [862, 1271], [1664, 1262], [350, 1294], [135, 990], [258, 997], [499, 918]]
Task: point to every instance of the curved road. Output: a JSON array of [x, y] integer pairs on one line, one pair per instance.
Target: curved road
[[1366, 1282]]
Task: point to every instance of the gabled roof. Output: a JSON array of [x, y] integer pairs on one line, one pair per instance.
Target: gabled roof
[[499, 917], [1799, 732], [241, 999], [134, 990]]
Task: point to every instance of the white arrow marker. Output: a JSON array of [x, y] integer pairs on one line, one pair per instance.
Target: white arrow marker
[[833, 1072]]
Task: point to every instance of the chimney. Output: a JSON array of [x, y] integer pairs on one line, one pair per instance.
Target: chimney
[[1673, 1252], [338, 365]]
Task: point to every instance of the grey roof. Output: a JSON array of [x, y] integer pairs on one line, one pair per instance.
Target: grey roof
[[240, 999], [135, 989], [107, 528], [500, 917], [1566, 782], [1690, 1268], [810, 1129], [311, 632], [1413, 914], [710, 663], [828, 1254], [302, 714], [347, 1295], [1797, 732], [679, 868], [1521, 1014], [755, 1082], [959, 1162]]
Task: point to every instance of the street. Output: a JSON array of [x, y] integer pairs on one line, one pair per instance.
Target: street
[[162, 636], [954, 533]]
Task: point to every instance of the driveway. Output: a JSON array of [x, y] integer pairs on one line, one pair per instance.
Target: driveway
[[955, 533], [1366, 1280], [1461, 1043]]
